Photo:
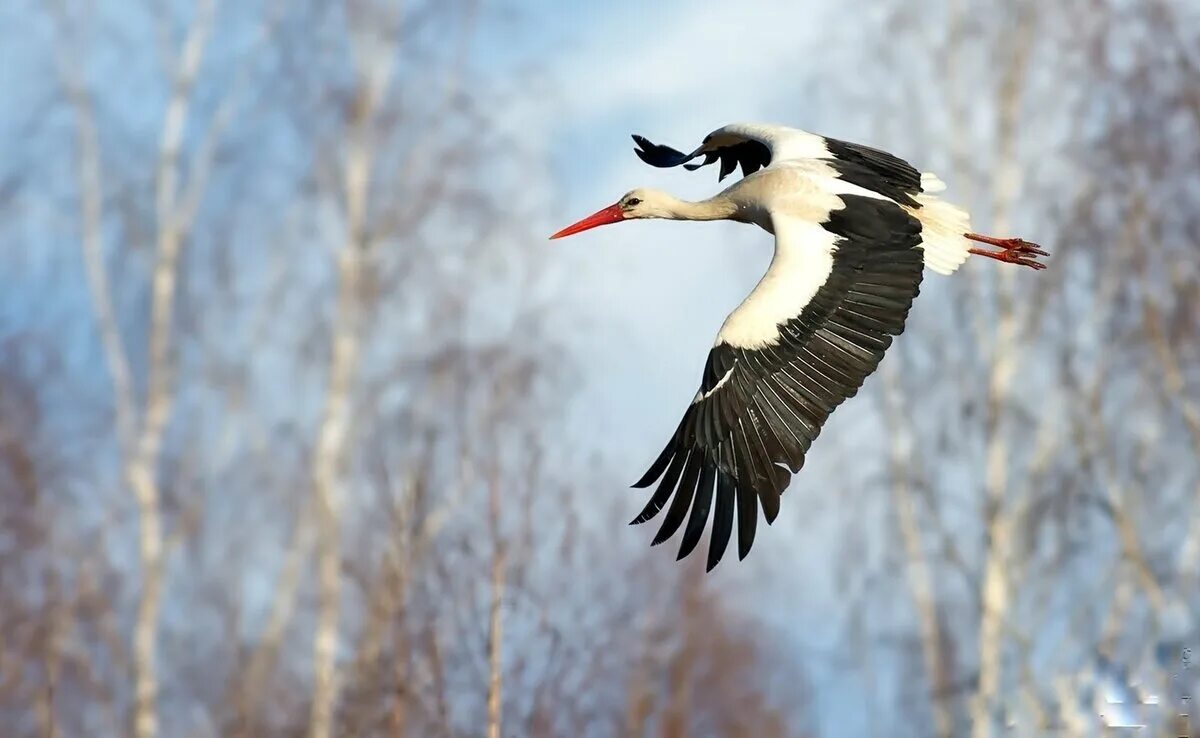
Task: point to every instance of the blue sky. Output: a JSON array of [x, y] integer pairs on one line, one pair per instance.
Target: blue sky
[[651, 296], [645, 300]]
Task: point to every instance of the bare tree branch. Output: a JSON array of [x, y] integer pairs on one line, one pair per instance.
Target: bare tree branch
[[374, 52]]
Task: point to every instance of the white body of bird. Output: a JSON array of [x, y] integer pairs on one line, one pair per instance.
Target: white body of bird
[[854, 227]]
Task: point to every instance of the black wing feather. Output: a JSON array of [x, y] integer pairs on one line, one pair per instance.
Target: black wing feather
[[876, 170], [867, 167], [700, 508], [659, 156], [722, 519], [750, 155], [679, 506], [759, 410], [665, 488], [747, 511]]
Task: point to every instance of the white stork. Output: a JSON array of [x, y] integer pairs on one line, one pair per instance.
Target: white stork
[[854, 229]]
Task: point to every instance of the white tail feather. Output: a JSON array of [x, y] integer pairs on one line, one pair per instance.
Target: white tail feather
[[931, 183], [943, 226]]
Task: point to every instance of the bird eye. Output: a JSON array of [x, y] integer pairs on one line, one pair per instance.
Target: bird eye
[[632, 201]]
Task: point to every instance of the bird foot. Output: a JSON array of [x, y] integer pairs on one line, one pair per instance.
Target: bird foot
[[1015, 250], [1010, 257]]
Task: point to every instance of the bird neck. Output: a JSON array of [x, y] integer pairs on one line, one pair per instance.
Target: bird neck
[[714, 208]]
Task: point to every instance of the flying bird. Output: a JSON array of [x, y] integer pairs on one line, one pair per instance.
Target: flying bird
[[855, 228]]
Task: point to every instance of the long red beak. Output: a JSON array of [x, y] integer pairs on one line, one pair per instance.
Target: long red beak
[[610, 214]]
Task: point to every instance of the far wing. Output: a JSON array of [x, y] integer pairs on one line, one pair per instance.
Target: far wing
[[763, 399], [754, 146]]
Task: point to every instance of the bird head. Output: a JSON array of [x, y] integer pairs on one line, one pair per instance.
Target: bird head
[[635, 204]]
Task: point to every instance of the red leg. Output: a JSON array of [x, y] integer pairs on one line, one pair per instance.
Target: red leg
[[1010, 257], [1008, 244]]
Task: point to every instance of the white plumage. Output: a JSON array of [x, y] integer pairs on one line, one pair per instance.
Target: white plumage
[[801, 264], [943, 226]]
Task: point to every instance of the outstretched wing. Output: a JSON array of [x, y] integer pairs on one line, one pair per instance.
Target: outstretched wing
[[803, 341], [755, 146]]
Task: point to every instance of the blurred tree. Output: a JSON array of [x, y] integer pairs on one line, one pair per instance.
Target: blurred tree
[[280, 393], [1068, 396], [284, 468]]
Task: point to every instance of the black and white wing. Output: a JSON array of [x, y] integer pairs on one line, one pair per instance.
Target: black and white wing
[[754, 146], [801, 343]]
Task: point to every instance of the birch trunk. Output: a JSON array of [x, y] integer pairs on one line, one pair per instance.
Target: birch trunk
[[374, 74], [495, 641], [141, 445], [495, 631], [142, 473], [994, 588], [920, 576], [327, 463]]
